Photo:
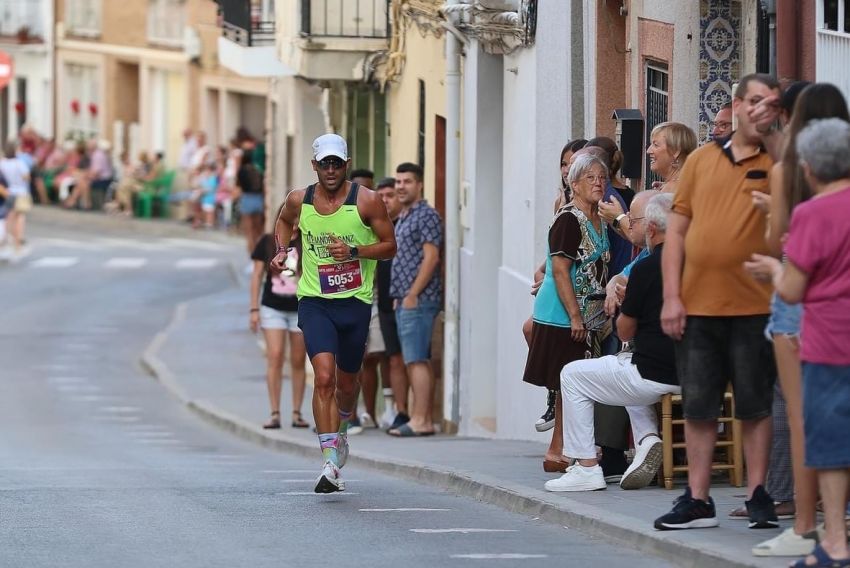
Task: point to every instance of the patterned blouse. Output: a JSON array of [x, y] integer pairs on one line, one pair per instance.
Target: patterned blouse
[[573, 235]]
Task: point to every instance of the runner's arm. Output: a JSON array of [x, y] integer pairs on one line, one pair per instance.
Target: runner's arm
[[379, 220], [284, 226]]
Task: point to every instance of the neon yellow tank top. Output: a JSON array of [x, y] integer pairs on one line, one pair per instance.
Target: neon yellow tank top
[[322, 276]]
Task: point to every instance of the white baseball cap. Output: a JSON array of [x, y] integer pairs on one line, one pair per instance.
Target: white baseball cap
[[330, 145]]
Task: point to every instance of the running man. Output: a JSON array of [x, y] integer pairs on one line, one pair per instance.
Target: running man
[[345, 230]]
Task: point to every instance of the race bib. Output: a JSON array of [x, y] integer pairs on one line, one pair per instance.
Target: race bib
[[340, 277]]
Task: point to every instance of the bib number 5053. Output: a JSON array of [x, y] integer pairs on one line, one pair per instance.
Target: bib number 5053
[[340, 277]]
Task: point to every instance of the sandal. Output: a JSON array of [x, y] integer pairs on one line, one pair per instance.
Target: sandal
[[274, 423], [823, 560], [298, 421]]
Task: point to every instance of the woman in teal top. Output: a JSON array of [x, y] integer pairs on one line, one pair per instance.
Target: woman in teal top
[[569, 321]]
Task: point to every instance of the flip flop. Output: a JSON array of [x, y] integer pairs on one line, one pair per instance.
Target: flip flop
[[824, 560], [405, 431]]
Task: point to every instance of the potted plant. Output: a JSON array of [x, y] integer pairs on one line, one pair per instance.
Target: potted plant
[[23, 34]]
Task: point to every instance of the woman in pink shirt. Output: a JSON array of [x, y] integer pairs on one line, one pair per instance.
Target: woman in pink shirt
[[818, 275]]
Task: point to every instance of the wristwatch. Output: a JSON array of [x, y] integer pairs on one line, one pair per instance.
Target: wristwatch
[[353, 252], [620, 218]]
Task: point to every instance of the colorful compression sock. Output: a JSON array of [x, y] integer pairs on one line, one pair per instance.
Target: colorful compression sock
[[344, 420], [328, 443]]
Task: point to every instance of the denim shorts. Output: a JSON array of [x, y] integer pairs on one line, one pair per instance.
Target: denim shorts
[[717, 350], [251, 204], [826, 415], [271, 318], [784, 318], [414, 330]]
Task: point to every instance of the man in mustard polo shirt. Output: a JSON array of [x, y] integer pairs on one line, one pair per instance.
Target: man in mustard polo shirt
[[716, 313], [345, 230]]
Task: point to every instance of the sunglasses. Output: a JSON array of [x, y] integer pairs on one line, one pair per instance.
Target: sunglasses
[[331, 163]]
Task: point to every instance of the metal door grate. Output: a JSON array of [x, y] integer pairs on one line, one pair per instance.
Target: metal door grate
[[656, 106]]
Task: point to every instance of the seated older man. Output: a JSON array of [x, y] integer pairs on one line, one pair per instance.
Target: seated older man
[[636, 380]]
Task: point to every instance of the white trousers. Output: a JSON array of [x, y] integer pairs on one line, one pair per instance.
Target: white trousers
[[611, 380]]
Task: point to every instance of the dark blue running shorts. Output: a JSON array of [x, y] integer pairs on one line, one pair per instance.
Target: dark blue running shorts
[[339, 326]]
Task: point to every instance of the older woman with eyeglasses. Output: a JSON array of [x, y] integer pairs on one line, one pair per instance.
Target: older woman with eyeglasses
[[569, 319]]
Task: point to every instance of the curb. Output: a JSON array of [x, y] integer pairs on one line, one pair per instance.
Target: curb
[[593, 521]]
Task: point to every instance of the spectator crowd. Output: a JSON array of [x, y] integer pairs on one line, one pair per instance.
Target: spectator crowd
[[208, 186]]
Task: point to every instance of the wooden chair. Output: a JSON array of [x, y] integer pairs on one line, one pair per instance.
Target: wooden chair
[[729, 442]]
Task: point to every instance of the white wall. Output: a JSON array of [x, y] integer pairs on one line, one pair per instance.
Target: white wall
[[508, 219], [36, 67]]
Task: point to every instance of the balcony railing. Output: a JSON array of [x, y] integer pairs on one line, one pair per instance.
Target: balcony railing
[[247, 23], [21, 18], [833, 52], [345, 18]]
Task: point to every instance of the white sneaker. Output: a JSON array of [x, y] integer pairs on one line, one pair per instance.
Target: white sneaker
[[342, 449], [788, 543], [648, 457], [330, 480], [387, 418], [578, 478], [366, 421]]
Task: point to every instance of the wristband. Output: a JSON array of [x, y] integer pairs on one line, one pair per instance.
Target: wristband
[[252, 310], [620, 218]]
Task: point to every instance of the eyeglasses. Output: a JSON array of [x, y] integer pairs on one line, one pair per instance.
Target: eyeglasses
[[331, 163], [722, 124], [633, 220], [592, 178]]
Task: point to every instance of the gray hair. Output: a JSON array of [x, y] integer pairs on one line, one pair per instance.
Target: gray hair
[[824, 145], [657, 209], [583, 163]]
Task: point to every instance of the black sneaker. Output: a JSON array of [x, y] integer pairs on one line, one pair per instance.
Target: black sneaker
[[688, 513], [400, 419], [547, 421], [761, 510]]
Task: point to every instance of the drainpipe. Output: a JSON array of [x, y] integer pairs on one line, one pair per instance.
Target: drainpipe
[[787, 28], [451, 355]]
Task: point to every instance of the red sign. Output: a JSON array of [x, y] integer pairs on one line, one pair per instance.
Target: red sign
[[6, 69]]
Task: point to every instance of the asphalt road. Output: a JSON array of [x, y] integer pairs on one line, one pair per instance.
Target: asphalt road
[[99, 466]]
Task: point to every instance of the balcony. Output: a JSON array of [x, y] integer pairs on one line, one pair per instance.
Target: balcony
[[331, 39], [21, 20], [247, 42]]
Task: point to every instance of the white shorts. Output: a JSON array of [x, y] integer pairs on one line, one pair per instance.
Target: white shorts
[[271, 318], [375, 343]]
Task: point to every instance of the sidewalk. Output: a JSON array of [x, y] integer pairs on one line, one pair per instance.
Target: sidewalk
[[208, 359]]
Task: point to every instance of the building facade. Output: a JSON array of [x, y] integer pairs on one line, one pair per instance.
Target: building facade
[[26, 35]]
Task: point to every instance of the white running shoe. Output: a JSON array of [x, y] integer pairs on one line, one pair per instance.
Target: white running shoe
[[578, 478], [788, 543], [366, 421], [388, 417], [330, 480], [342, 449], [648, 456]]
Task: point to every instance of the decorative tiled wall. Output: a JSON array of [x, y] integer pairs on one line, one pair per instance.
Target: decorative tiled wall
[[719, 57]]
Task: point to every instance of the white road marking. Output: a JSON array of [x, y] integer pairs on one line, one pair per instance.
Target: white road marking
[[120, 409], [91, 398], [55, 262], [460, 531], [150, 434], [78, 388], [158, 441], [191, 243], [125, 262], [506, 556], [66, 380], [115, 418], [304, 493], [196, 263], [400, 510]]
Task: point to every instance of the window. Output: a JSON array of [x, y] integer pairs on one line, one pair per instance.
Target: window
[[20, 17], [836, 15], [166, 20], [82, 17], [656, 105], [82, 100]]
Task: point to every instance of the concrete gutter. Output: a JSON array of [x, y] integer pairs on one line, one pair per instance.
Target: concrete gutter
[[594, 521]]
